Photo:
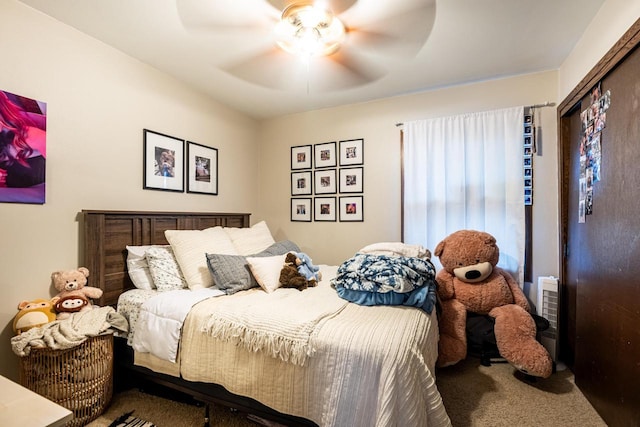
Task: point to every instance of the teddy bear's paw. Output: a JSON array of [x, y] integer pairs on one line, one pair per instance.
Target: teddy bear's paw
[[533, 360]]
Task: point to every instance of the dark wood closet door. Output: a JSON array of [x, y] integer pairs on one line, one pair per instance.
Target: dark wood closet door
[[572, 134], [602, 259]]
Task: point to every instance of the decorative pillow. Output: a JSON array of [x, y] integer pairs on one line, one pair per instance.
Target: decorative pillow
[[231, 273], [164, 269], [248, 241], [138, 267], [190, 247], [280, 248], [266, 270]]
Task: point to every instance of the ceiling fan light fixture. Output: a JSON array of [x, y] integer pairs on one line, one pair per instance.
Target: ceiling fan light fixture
[[308, 30]]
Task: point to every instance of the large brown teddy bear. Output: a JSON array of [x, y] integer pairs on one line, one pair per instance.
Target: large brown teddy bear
[[72, 283], [471, 282]]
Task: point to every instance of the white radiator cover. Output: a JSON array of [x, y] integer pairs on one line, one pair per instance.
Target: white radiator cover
[[548, 306]]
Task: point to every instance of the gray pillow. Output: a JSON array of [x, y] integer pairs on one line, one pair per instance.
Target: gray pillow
[[279, 248], [231, 273]]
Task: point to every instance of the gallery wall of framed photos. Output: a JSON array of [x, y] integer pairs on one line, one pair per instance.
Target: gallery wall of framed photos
[[327, 181]]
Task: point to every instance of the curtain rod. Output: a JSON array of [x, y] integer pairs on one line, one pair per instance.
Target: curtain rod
[[546, 104]]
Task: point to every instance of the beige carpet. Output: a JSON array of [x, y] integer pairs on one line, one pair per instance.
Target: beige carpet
[[167, 413], [474, 395], [498, 395]]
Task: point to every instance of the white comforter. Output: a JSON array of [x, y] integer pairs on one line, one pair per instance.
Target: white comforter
[[161, 318]]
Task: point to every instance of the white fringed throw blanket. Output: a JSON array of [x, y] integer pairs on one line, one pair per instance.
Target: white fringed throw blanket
[[281, 323]]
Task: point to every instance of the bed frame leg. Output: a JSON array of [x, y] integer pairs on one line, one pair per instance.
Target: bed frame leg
[[206, 415]]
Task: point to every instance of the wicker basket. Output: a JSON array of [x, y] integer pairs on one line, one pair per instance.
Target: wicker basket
[[78, 378]]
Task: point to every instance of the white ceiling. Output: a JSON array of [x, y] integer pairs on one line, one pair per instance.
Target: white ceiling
[[466, 41]]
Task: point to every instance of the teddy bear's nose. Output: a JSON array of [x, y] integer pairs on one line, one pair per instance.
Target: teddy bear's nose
[[472, 274]]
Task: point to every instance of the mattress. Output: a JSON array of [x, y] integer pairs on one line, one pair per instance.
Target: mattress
[[371, 366]]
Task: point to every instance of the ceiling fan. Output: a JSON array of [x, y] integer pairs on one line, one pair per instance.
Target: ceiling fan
[[321, 45]]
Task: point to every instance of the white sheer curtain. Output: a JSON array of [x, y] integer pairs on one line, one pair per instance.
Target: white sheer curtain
[[466, 172]]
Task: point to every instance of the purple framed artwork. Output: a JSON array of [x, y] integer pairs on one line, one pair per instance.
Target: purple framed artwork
[[23, 149]]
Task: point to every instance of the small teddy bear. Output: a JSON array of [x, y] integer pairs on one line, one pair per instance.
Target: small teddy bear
[[290, 277], [306, 268], [73, 283]]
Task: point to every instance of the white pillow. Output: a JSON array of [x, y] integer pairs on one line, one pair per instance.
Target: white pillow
[[138, 267], [250, 241], [164, 269], [190, 248], [266, 270]]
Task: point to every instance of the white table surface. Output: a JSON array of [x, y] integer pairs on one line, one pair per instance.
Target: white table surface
[[20, 407]]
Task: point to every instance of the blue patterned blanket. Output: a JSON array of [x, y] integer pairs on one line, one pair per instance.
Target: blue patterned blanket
[[367, 279]]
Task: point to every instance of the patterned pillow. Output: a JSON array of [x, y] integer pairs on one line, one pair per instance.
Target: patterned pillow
[[164, 269], [138, 268]]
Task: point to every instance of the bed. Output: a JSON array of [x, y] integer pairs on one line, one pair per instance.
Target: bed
[[364, 368]]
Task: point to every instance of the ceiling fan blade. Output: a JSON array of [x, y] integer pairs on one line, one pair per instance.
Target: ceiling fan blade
[[272, 68], [276, 69], [217, 16], [346, 68], [396, 32]]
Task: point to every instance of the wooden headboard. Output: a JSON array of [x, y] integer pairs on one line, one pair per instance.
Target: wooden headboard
[[107, 234]]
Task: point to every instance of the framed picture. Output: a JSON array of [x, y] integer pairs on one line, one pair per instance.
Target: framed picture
[[163, 162], [300, 183], [351, 180], [325, 155], [351, 152], [25, 182], [202, 169], [351, 209], [325, 181], [301, 210], [324, 209], [301, 157]]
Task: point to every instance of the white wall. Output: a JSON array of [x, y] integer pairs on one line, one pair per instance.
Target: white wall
[[99, 100], [332, 243], [614, 18]]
